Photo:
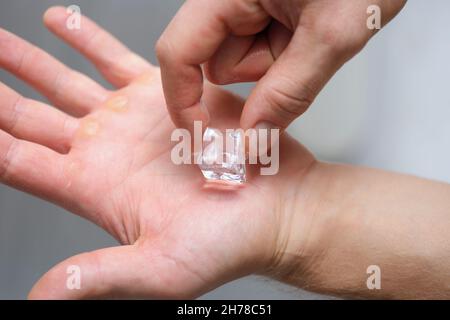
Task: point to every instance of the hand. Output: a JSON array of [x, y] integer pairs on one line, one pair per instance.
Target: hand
[[291, 47], [105, 155]]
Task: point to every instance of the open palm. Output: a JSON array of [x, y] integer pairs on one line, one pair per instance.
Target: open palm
[[106, 156]]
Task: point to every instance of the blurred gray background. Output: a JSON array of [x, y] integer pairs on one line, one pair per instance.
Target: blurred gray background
[[387, 108]]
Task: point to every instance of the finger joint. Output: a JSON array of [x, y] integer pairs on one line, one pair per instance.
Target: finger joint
[[289, 106], [5, 164]]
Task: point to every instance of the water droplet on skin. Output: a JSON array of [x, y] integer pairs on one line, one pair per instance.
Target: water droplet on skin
[[117, 104], [90, 128]]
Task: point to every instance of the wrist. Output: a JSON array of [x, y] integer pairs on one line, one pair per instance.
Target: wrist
[[305, 227]]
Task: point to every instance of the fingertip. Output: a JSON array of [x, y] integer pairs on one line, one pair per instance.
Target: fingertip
[[246, 122], [251, 111], [44, 289], [68, 280], [36, 294], [51, 14], [186, 118]]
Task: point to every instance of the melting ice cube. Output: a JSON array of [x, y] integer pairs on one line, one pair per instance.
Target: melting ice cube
[[223, 157]]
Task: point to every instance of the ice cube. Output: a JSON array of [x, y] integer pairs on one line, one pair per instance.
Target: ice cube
[[223, 157]]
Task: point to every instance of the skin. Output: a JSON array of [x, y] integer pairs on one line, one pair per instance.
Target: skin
[[105, 155], [290, 47]]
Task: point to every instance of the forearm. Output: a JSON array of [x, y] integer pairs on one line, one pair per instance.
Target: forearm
[[355, 218]]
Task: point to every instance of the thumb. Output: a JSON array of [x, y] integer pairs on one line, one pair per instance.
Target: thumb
[[120, 272], [110, 272], [141, 270], [291, 84]]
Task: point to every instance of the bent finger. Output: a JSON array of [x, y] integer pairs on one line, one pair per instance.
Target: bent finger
[[190, 40]]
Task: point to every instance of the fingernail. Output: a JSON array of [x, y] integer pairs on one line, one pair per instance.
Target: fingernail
[[273, 135], [204, 108]]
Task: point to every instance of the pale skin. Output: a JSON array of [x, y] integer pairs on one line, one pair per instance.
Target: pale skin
[[291, 48], [105, 155]]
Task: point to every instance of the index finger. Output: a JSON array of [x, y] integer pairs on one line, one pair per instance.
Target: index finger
[[193, 37]]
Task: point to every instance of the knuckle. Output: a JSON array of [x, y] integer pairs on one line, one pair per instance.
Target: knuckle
[[249, 17], [340, 37], [162, 49], [288, 106], [26, 57], [5, 163], [59, 83], [329, 35], [339, 42], [95, 38], [16, 113]]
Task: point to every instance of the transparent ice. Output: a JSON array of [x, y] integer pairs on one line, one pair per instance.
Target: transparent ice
[[223, 162]]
